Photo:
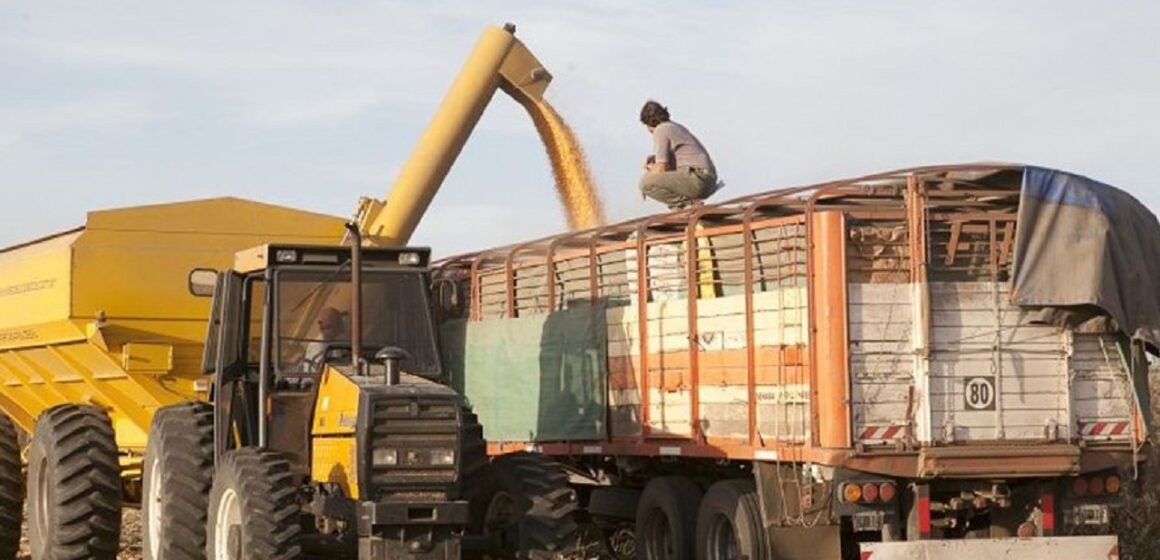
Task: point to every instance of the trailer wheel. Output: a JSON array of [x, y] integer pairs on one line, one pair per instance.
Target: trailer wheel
[[729, 522], [178, 470], [666, 519], [253, 508], [74, 481], [525, 500], [12, 481]]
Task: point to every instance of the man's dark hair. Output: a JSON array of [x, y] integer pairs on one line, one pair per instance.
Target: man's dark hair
[[653, 113]]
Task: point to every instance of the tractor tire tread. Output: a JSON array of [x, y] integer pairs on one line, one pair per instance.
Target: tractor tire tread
[[268, 492], [12, 480], [183, 436], [87, 482]]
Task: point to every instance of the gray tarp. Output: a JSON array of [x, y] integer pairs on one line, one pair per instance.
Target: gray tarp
[[1083, 243], [1086, 251]]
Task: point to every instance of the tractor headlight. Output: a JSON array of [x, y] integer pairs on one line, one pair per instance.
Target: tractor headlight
[[442, 457], [385, 457]]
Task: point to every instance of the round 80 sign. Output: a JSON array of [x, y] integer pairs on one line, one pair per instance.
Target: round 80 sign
[[979, 393]]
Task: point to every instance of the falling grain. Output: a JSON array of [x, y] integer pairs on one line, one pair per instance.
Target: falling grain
[[574, 185]]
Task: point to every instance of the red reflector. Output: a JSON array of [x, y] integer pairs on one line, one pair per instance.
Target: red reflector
[[923, 506], [887, 491], [1047, 502], [1096, 486], [1079, 487], [869, 492]]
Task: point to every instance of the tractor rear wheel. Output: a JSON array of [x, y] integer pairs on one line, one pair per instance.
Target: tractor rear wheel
[[253, 508], [12, 481], [74, 484], [178, 471]]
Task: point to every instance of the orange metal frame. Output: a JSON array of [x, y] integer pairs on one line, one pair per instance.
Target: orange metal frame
[[823, 210]]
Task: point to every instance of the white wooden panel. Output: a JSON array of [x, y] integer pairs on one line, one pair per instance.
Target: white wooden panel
[[779, 319], [881, 324], [1101, 386], [976, 331]]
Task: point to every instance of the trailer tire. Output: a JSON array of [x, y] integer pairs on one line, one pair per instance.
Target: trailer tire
[[178, 472], [12, 481], [526, 500], [729, 522], [666, 519], [74, 482], [253, 508]]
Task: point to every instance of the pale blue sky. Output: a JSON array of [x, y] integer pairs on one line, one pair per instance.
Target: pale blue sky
[[313, 104]]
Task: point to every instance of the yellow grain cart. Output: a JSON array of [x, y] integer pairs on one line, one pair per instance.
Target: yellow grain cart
[[113, 314]]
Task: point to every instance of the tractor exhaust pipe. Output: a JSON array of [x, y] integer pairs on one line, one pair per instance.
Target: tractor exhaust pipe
[[355, 294]]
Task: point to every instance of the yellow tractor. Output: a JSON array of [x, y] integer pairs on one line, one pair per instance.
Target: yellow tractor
[[329, 432], [330, 439]]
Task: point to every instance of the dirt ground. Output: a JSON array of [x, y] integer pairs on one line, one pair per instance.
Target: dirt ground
[[130, 538]]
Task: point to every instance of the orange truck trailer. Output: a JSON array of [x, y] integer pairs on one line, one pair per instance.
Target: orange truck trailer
[[937, 361]]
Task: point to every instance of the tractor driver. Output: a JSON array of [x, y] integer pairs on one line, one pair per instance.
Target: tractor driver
[[332, 328]]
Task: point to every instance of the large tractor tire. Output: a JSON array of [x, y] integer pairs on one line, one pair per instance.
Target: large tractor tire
[[666, 519], [12, 496], [178, 471], [253, 508], [74, 485], [524, 501], [729, 522]]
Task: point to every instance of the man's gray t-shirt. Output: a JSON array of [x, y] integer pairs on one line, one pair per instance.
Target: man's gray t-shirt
[[674, 143]]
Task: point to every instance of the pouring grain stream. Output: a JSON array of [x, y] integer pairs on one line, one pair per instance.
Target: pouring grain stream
[[574, 185]]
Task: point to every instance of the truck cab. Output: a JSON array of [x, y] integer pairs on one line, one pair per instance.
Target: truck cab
[[331, 431]]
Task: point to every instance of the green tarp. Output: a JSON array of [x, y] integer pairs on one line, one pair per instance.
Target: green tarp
[[540, 378]]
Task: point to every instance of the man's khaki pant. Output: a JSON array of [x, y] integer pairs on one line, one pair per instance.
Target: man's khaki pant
[[677, 189]]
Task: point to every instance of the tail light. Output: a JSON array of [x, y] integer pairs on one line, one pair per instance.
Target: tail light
[[887, 491], [1095, 486], [1112, 484], [851, 492], [1079, 487], [868, 492], [1098, 485]]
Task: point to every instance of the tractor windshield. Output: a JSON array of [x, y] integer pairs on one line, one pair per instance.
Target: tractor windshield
[[313, 318]]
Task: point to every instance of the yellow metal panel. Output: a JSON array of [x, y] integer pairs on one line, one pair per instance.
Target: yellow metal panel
[[33, 335], [135, 263], [251, 259], [335, 459], [336, 410], [332, 435], [34, 286], [142, 356]]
